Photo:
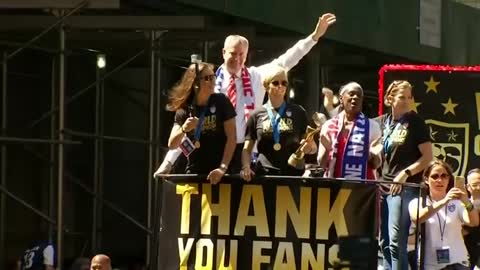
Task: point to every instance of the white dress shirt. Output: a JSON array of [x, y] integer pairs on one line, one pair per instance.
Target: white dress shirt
[[287, 60]]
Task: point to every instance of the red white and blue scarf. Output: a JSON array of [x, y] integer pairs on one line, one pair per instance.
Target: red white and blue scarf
[[248, 95], [356, 152]]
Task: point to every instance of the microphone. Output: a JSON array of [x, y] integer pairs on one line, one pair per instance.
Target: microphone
[[195, 59]]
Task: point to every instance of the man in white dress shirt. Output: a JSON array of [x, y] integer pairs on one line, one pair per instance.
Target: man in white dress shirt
[[243, 85]]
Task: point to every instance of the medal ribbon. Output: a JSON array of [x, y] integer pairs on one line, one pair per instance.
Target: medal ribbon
[[442, 229], [275, 119], [392, 126], [201, 119]]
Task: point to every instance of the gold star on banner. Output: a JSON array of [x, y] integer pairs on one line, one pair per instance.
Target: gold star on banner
[[415, 105], [449, 106], [431, 85], [452, 136], [432, 133]]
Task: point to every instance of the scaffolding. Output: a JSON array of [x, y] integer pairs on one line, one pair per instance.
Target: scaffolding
[[153, 27]]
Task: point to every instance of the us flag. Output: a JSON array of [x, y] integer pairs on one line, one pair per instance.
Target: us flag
[[448, 98]]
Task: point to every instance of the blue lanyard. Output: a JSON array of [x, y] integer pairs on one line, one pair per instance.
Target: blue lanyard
[[442, 230], [391, 129], [201, 119], [275, 119]]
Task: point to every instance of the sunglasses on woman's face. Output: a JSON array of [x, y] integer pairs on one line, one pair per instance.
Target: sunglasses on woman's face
[[277, 83], [210, 77], [436, 176]]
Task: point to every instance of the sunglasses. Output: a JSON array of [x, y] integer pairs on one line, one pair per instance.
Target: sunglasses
[[209, 78], [277, 83], [436, 176]]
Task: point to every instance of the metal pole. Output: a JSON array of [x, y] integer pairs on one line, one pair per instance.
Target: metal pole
[[25, 204], [98, 166], [324, 76], [205, 51], [151, 137], [100, 162], [3, 167], [95, 166], [61, 126], [417, 233], [158, 108], [53, 136], [79, 93], [60, 22]]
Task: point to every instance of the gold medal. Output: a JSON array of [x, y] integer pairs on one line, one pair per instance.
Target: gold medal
[[197, 144], [277, 147]]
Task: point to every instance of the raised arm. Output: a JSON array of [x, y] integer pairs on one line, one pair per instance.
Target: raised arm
[[181, 126], [469, 214], [293, 55], [471, 217], [425, 212]]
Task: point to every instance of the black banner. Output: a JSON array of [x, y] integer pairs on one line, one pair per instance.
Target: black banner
[[282, 223], [448, 98]]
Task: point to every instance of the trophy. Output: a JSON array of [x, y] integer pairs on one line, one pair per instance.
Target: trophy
[[297, 159]]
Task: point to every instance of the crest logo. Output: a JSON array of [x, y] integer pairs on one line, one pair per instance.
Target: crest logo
[[213, 109], [450, 143]]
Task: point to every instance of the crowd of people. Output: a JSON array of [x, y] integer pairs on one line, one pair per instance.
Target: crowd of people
[[239, 117]]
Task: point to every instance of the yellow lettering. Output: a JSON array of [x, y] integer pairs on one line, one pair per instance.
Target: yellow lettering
[[309, 259], [477, 145], [232, 263], [477, 100], [184, 252], [257, 257], [210, 122], [326, 216], [286, 207], [220, 209], [285, 124], [254, 194], [199, 258], [285, 259], [186, 191], [333, 254]]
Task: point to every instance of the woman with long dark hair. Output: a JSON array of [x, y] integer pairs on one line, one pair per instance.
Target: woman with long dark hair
[[444, 211], [204, 123]]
